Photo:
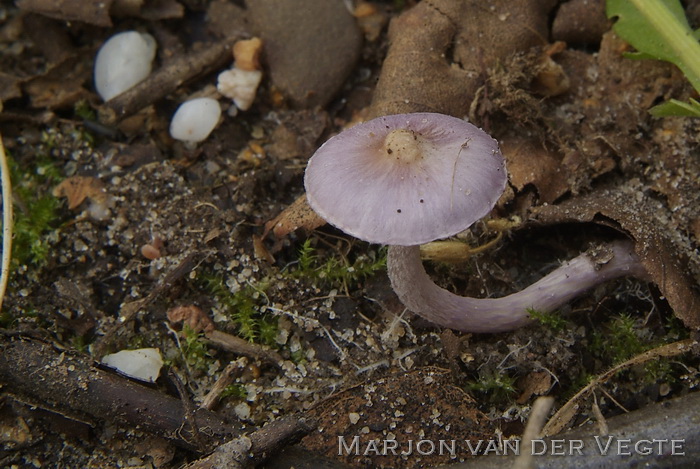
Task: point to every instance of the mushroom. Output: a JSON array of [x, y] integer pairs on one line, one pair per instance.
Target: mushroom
[[408, 179]]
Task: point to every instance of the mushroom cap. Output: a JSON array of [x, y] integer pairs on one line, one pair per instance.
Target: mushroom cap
[[373, 182]]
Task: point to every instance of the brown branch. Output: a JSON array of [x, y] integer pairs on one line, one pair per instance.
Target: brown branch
[[240, 346], [68, 383], [201, 60], [254, 448]]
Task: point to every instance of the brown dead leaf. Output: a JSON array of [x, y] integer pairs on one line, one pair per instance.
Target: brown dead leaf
[[297, 215], [530, 163], [260, 251], [192, 316], [61, 86], [628, 211], [78, 188], [536, 383], [50, 37], [9, 86]]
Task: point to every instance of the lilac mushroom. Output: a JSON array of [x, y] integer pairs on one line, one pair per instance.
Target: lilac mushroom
[[408, 179]]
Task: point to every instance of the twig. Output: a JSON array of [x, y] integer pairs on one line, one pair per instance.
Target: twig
[[203, 59], [226, 378], [129, 310], [255, 447], [538, 416], [566, 413], [235, 344], [188, 409], [70, 384], [6, 222]]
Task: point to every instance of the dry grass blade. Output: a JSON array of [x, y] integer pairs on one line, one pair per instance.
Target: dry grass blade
[[561, 419], [6, 222], [540, 409]]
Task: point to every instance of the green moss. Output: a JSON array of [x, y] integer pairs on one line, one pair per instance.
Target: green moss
[[194, 348], [494, 387], [298, 356], [36, 212], [83, 110], [624, 337], [243, 309], [338, 271], [235, 390], [553, 320], [619, 340]]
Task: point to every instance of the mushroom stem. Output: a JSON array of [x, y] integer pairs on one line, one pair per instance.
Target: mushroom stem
[[419, 294]]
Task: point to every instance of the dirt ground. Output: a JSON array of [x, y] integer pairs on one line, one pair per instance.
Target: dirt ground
[[268, 319]]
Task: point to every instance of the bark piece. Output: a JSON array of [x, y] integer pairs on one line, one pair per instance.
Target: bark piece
[[661, 255], [89, 11]]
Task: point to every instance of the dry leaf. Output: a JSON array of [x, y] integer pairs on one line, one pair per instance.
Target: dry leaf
[[536, 383], [664, 260], [77, 188], [530, 163], [298, 215], [192, 316], [260, 251], [60, 87]]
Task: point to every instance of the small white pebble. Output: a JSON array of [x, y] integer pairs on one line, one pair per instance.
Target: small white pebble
[[240, 86], [242, 411], [195, 119], [354, 417], [124, 60]]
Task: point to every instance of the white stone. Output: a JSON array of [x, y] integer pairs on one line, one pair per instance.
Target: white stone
[[195, 119], [242, 411], [143, 364], [124, 60], [240, 86]]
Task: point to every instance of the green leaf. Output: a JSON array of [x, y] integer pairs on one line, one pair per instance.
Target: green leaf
[[676, 108], [660, 29]]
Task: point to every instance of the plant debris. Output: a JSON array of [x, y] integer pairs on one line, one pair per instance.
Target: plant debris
[[280, 333]]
